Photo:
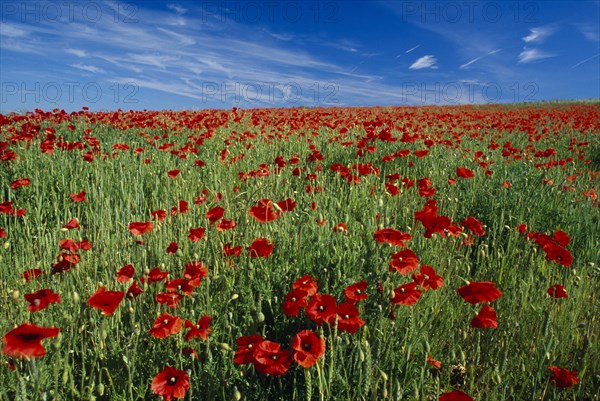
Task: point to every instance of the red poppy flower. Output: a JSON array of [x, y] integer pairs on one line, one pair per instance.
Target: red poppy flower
[[80, 197], [433, 362], [392, 237], [309, 348], [464, 172], [25, 341], [321, 308], [225, 224], [3, 234], [170, 383], [159, 215], [171, 299], [348, 319], [270, 359], [563, 378], [156, 275], [165, 325], [196, 270], [406, 294], [228, 250], [561, 238], [286, 205], [474, 225], [306, 283], [477, 292], [125, 273], [139, 228], [172, 248], [106, 301], [486, 318], [21, 182], [215, 214], [247, 346], [173, 173], [65, 261], [200, 329], [68, 245], [264, 211], [558, 254], [427, 278], [522, 228], [30, 274], [404, 262], [134, 290], [455, 395], [260, 248], [41, 299], [557, 291], [182, 285], [73, 223], [355, 292], [294, 301], [85, 245]]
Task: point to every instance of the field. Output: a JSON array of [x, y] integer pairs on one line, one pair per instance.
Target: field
[[411, 253]]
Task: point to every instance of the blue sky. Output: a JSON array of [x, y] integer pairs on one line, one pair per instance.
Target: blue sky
[[218, 54]]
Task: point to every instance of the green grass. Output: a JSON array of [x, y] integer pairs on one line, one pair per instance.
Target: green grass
[[115, 358]]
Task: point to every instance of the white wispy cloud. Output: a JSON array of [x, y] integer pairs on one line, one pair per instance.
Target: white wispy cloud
[[427, 61], [590, 32], [179, 9], [476, 59], [585, 61], [531, 55], [539, 34], [77, 52], [90, 68], [12, 30]]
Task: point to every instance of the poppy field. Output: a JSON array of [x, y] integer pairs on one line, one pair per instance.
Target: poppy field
[[392, 253]]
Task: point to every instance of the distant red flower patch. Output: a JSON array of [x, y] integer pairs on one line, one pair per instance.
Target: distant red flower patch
[[21, 182], [25, 341], [264, 211], [80, 197], [106, 301], [473, 225], [477, 292], [139, 228], [225, 225]]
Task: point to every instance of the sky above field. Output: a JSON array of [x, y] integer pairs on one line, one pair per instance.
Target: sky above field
[[139, 55]]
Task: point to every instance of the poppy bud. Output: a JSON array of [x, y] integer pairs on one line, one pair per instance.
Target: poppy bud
[[261, 317], [100, 389], [225, 347], [234, 297], [76, 297], [6, 245], [236, 394], [15, 295]]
